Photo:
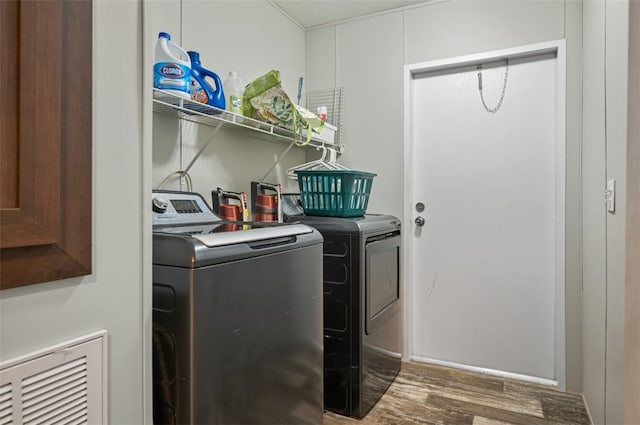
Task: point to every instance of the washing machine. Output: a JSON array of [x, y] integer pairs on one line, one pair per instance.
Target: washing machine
[[237, 318], [362, 308]]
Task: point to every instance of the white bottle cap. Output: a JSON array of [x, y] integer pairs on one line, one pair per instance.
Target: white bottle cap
[[322, 112]]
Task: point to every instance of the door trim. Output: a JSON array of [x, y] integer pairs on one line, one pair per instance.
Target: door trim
[[410, 72]]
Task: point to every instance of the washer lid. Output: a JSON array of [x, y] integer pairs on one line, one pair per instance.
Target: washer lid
[[260, 234]]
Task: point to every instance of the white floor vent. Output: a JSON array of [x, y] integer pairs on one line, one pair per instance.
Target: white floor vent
[[64, 384]]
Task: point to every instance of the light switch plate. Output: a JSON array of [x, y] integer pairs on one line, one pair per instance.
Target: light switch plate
[[610, 196]]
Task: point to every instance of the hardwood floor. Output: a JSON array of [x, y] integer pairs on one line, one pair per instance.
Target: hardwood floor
[[436, 395]]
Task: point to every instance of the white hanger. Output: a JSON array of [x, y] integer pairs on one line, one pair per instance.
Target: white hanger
[[333, 157], [317, 164]]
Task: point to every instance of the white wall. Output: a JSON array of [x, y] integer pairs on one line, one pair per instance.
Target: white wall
[[437, 31], [251, 38], [112, 298], [38, 316], [632, 278], [369, 60], [604, 156], [461, 27], [594, 216], [595, 149], [573, 175], [366, 58], [616, 65]]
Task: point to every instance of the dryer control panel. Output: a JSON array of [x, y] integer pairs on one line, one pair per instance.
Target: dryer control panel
[[172, 207]]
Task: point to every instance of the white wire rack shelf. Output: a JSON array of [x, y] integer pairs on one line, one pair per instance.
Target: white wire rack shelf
[[199, 113]]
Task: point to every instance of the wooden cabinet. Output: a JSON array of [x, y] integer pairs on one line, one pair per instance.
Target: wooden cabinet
[[45, 140]]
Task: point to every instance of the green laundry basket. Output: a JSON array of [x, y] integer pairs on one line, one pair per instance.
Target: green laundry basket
[[335, 193]]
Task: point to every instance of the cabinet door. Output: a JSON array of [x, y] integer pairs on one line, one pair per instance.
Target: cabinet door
[[45, 140]]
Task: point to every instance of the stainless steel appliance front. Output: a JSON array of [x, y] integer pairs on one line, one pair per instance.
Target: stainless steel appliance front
[[237, 320], [362, 309]]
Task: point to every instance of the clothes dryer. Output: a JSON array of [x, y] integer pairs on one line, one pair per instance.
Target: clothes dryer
[[362, 308]]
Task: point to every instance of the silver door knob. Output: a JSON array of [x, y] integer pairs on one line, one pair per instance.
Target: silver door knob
[[419, 221]]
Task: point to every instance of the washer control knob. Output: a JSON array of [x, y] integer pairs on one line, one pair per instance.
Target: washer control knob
[[159, 205]]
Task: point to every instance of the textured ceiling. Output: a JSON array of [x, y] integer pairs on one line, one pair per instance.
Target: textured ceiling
[[311, 13]]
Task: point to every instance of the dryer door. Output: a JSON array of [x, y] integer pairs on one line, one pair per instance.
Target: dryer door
[[382, 280]]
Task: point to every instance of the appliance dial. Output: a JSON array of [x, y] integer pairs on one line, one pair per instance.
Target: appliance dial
[[159, 205]]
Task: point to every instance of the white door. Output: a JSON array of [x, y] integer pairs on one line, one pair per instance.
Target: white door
[[487, 267]]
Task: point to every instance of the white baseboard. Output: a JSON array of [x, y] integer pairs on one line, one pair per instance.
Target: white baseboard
[[586, 407], [493, 372]]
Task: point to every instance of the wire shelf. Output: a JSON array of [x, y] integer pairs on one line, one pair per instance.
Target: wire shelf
[[333, 100], [199, 113]]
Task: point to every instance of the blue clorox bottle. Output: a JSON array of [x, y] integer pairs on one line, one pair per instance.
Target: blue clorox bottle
[[202, 89], [172, 68]]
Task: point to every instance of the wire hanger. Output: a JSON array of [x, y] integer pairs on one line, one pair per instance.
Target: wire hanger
[[320, 163]]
